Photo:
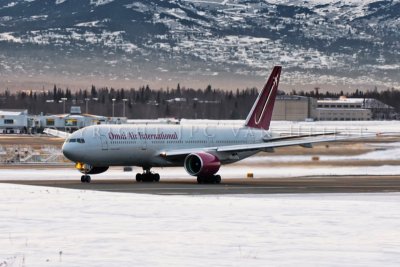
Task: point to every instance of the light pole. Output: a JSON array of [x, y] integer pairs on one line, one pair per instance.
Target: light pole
[[63, 99], [113, 102], [124, 106], [87, 101]]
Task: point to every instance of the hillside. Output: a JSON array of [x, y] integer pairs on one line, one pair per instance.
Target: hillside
[[128, 43]]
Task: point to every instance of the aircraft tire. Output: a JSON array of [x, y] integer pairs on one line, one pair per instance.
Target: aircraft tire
[[139, 177], [156, 177], [217, 179], [148, 177], [85, 179]]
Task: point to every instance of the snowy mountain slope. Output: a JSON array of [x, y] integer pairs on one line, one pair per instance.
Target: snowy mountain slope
[[355, 39]]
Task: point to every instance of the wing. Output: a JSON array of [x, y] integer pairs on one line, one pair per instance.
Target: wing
[[305, 142], [287, 137], [56, 133]]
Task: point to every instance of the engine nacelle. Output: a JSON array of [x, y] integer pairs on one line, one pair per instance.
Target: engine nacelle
[[88, 169], [202, 164]]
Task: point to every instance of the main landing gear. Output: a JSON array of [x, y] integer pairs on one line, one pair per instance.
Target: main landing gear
[[213, 179], [147, 176], [85, 178]]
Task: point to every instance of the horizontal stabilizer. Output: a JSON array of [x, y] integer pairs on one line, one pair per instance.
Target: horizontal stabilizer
[[56, 133]]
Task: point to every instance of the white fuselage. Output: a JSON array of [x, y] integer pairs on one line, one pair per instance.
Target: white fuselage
[[144, 145]]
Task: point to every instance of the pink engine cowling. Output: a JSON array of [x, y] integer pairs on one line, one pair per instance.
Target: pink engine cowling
[[202, 164]]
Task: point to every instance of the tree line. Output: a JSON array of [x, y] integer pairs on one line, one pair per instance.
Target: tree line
[[141, 103], [148, 103]]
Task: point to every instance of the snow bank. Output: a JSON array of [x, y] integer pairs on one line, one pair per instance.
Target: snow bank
[[60, 227]]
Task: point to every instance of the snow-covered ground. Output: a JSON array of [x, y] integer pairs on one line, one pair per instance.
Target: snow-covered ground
[[60, 227]]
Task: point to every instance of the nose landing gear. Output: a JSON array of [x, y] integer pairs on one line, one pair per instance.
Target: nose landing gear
[[147, 176], [85, 178]]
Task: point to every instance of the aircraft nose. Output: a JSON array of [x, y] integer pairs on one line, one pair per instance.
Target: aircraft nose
[[69, 152]]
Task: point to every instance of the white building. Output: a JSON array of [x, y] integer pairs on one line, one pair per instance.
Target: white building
[[72, 121], [13, 121], [343, 109], [69, 121]]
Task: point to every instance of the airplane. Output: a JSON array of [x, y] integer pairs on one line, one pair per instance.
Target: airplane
[[200, 149]]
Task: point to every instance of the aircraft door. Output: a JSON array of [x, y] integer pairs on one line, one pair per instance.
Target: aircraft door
[[144, 144], [210, 140], [104, 142], [250, 135], [210, 134], [143, 141]]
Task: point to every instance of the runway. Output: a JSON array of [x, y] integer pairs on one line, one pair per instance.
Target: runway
[[341, 184]]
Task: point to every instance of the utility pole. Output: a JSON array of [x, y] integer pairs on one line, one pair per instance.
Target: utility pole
[[63, 99], [113, 102], [124, 106], [87, 108]]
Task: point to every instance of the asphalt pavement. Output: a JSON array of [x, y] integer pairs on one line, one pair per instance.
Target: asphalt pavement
[[341, 184]]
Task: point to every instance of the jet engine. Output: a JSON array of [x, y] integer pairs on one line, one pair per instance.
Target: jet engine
[[202, 164], [89, 169]]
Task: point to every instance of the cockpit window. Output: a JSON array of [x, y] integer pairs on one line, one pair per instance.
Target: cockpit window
[[75, 140]]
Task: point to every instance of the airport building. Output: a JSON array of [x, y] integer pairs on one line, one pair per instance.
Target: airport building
[[14, 121], [380, 111], [74, 120], [301, 108], [19, 121], [294, 108], [353, 109]]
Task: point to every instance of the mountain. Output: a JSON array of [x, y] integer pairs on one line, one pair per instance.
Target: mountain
[[228, 43]]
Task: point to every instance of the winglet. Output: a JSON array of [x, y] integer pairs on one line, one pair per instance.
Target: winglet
[[261, 112]]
